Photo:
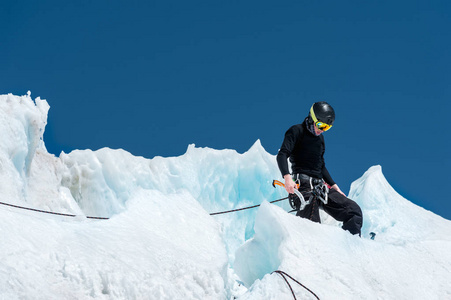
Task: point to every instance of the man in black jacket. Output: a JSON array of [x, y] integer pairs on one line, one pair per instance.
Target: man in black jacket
[[304, 146]]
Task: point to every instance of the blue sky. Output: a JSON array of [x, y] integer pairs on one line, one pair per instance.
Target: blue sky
[[152, 77]]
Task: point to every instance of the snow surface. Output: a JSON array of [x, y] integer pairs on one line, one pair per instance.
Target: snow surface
[[161, 243]]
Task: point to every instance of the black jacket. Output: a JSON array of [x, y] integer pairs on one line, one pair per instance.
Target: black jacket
[[306, 153]]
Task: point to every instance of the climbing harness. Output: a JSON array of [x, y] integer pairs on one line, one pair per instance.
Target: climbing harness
[[283, 274], [318, 190]]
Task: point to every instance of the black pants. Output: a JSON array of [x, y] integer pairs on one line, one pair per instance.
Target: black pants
[[338, 206]]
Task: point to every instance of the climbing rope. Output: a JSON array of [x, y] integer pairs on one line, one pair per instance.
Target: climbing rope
[[243, 208], [283, 274], [49, 212], [104, 218]]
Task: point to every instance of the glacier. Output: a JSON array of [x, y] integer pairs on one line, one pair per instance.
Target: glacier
[[160, 241]]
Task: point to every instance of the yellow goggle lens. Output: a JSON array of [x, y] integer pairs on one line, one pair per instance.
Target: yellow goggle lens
[[323, 126]]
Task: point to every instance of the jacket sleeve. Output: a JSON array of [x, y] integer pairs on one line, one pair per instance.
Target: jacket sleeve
[[285, 150], [326, 176]]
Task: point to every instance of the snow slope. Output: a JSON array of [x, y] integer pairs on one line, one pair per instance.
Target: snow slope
[[409, 259], [161, 243]]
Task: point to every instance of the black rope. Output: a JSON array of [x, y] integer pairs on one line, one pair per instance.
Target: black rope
[[283, 274], [238, 209], [50, 212], [103, 218]]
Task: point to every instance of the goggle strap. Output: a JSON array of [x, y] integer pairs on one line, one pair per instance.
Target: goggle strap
[[312, 113]]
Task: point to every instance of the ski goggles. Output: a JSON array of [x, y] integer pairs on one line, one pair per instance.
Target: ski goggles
[[320, 125]]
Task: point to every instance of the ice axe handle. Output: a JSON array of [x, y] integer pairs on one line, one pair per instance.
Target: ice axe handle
[[277, 182]]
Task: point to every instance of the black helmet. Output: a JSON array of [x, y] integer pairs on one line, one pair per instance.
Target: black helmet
[[323, 112]]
